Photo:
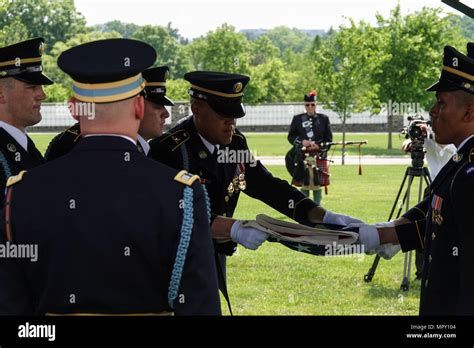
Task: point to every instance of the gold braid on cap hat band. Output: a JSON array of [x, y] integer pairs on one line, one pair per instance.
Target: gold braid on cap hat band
[[21, 61], [458, 73], [109, 91], [157, 84], [220, 94]]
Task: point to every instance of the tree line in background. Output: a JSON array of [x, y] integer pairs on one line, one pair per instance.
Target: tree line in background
[[354, 67]]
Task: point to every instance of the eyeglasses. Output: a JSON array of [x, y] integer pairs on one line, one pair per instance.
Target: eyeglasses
[[312, 104]]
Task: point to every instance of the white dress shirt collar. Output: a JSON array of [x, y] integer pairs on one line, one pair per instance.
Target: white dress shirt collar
[[16, 134], [464, 142], [111, 135], [209, 146], [144, 144]]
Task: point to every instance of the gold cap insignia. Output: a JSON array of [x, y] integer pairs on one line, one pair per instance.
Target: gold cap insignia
[[238, 87], [41, 48]]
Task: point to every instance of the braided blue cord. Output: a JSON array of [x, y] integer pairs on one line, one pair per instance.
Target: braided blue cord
[[208, 203], [5, 166], [184, 153], [186, 231]]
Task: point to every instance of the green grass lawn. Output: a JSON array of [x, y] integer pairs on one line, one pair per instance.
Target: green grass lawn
[[275, 280], [42, 140], [276, 144]]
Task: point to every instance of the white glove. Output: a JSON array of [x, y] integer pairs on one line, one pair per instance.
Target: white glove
[[249, 237], [387, 251], [339, 219], [368, 236]]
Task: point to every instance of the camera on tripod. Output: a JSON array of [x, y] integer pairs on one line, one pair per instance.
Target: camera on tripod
[[415, 133]]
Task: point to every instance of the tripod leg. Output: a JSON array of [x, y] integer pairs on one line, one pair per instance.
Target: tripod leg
[[371, 273], [395, 203], [406, 272], [405, 286]]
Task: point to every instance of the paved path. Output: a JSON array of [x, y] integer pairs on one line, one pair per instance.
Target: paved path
[[366, 160]]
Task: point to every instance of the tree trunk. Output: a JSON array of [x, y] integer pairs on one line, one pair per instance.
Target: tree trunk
[[389, 126], [343, 139]]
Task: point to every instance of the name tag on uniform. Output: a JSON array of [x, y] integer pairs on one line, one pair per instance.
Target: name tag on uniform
[[436, 206]]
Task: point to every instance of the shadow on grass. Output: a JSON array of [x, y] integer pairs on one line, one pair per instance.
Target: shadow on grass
[[378, 290]]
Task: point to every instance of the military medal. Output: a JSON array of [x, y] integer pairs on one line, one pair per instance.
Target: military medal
[[230, 189], [241, 176], [238, 182], [436, 205], [242, 183]]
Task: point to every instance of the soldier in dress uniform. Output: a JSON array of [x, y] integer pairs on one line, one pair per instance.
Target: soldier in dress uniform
[[443, 223], [99, 252], [308, 130], [208, 144], [151, 126], [21, 94]]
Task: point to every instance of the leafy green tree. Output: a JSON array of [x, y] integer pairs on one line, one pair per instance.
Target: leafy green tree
[[222, 50], [262, 49], [289, 38], [55, 20], [168, 49], [300, 75], [126, 30], [15, 32], [467, 27], [57, 93], [177, 90], [316, 45], [52, 70], [267, 83], [343, 64], [410, 53]]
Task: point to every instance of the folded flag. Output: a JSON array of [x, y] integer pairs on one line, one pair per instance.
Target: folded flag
[[316, 239]]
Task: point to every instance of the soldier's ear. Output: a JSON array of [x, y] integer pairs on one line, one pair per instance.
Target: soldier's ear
[[72, 102], [196, 108], [2, 91], [139, 106], [469, 116]]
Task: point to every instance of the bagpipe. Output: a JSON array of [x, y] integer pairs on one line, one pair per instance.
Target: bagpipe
[[310, 168], [358, 143]]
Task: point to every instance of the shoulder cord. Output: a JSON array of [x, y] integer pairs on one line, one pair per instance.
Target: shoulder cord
[[5, 166], [184, 153], [186, 231], [7, 171], [220, 271]]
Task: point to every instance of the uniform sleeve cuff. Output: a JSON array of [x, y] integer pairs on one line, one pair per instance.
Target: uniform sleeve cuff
[[411, 235], [302, 209]]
